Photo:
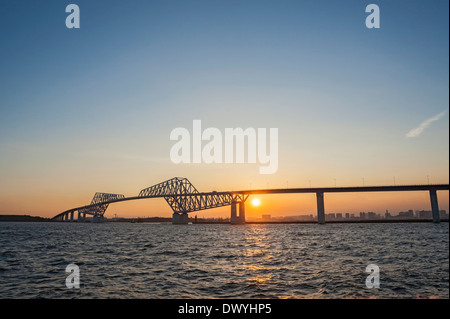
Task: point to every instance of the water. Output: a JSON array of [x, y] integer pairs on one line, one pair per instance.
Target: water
[[122, 260]]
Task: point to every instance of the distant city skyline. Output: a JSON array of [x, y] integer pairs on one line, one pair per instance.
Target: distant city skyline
[[410, 214], [92, 109]]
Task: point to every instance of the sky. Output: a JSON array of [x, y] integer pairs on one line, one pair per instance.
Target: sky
[[91, 109]]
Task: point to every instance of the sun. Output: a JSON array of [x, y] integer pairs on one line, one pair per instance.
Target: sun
[[256, 202]]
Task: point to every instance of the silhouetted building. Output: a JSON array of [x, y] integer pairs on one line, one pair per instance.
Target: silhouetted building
[[387, 215], [307, 217], [372, 215], [408, 214], [427, 214]]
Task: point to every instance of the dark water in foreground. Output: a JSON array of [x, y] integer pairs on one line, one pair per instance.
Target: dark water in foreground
[[121, 260]]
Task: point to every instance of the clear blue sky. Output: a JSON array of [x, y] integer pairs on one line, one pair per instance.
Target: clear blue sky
[[91, 109]]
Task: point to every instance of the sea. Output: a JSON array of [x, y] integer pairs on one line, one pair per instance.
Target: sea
[[253, 261]]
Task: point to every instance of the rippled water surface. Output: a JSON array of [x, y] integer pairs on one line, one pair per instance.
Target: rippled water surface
[[122, 260]]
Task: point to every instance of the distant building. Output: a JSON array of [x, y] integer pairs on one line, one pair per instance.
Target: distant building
[[387, 215], [424, 214], [338, 215], [428, 214], [266, 217], [408, 214], [362, 215], [372, 215], [306, 217], [347, 215]]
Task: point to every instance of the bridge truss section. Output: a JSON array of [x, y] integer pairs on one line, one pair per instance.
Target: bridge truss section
[[183, 197], [99, 204]]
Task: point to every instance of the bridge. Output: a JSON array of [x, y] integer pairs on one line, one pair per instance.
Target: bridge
[[178, 192], [184, 198]]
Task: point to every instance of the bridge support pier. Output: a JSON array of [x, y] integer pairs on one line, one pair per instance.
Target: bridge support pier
[[320, 208], [98, 219], [235, 219], [434, 206], [242, 212], [81, 217], [180, 219], [71, 216]]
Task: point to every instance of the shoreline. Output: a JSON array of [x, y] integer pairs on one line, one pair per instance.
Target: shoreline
[[28, 218]]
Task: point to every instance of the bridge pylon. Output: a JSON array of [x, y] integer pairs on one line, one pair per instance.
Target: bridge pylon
[[236, 219], [180, 218]]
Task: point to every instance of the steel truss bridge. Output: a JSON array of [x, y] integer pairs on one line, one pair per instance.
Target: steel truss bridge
[[184, 198], [178, 192]]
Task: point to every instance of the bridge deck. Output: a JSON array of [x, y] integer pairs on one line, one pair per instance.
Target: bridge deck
[[348, 189]]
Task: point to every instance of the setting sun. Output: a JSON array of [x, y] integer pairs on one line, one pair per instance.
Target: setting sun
[[256, 202]]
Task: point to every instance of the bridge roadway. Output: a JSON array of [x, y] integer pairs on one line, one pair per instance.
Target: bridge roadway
[[191, 200], [348, 189]]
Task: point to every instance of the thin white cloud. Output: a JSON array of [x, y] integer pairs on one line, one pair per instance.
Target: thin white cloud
[[418, 130]]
